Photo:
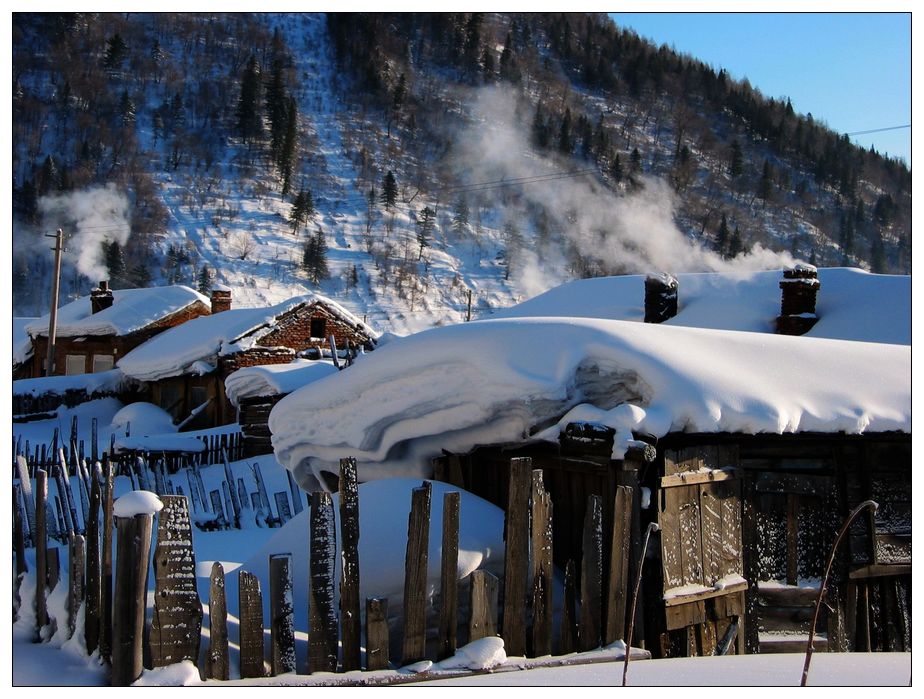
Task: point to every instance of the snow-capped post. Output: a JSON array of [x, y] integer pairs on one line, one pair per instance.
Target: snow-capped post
[[872, 505], [652, 527], [376, 633], [516, 557], [415, 576], [591, 575], [177, 618], [19, 546], [105, 627], [482, 620], [333, 352], [134, 516], [26, 483], [229, 479], [449, 574], [66, 494], [322, 614], [350, 621], [75, 589], [567, 633], [217, 657], [282, 619], [250, 611], [40, 539], [93, 596], [541, 515], [618, 580]]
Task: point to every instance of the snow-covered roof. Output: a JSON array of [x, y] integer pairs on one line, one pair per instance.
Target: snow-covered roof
[[176, 351], [111, 381], [500, 381], [22, 345], [275, 379], [131, 310], [852, 304]]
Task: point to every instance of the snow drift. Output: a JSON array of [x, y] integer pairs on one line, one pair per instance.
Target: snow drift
[[504, 381]]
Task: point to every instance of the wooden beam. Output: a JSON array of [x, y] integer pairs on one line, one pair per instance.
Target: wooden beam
[[696, 477], [706, 594]]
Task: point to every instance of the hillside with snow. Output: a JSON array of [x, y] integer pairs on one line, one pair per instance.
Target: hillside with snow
[[515, 169]]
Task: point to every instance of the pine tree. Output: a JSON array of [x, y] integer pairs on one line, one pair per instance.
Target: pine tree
[[460, 215], [204, 285], [635, 161], [318, 270], [140, 276], [735, 245], [425, 223], [616, 168], [115, 53], [302, 209], [287, 155], [722, 237], [248, 105], [126, 109], [736, 164], [508, 70], [276, 109], [115, 263], [877, 256], [765, 186], [389, 191], [565, 144]]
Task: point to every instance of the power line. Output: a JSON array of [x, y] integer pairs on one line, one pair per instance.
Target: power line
[[887, 128]]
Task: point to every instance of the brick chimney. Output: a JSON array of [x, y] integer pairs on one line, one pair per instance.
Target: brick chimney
[[221, 299], [800, 287], [101, 298], [660, 297]]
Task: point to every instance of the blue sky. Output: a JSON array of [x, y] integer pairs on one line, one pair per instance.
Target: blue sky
[[850, 70]]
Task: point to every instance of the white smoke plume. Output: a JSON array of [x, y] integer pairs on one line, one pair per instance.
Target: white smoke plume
[[89, 218], [632, 233]]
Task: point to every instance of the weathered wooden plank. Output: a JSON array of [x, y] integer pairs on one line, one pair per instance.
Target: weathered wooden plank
[[105, 627], [282, 506], [698, 477], [177, 617], [377, 633], [567, 633], [19, 547], [132, 561], [282, 615], [691, 556], [93, 568], [711, 531], [217, 654], [617, 589], [297, 505], [516, 557], [449, 572], [792, 539], [322, 635], [677, 600], [53, 566], [669, 520], [793, 483], [483, 605], [76, 561], [41, 548], [591, 575], [250, 613], [541, 566], [415, 579], [350, 621], [28, 498]]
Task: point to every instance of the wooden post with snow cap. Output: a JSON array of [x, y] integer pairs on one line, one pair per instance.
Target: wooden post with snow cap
[[516, 557], [322, 636], [414, 646], [177, 619], [218, 625], [250, 611], [282, 620], [41, 548], [350, 621], [134, 515]]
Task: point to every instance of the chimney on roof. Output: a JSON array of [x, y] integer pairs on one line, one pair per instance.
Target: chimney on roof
[[100, 298], [660, 297], [221, 299], [800, 287]]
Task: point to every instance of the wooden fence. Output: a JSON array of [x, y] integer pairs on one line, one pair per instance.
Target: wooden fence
[[519, 607]]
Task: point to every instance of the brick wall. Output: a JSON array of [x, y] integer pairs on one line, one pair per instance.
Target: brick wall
[[255, 356], [293, 329]]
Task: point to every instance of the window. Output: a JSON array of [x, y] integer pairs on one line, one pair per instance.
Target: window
[[318, 327], [75, 364], [102, 362]]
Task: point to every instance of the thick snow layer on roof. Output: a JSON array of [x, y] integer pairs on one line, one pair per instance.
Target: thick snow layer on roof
[[501, 381], [275, 379], [175, 351], [22, 345], [852, 304], [111, 381], [131, 310]]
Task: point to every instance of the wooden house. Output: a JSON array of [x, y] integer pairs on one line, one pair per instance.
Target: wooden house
[[186, 367], [95, 331]]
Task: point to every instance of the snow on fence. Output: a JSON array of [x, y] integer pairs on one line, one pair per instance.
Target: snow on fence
[[594, 613]]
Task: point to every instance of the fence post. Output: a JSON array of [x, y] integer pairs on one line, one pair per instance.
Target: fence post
[[542, 566], [415, 576], [483, 619], [20, 548], [41, 549], [177, 618], [350, 621], [568, 630], [322, 636], [218, 625], [75, 589], [282, 622], [91, 624], [449, 573], [376, 633], [591, 575], [250, 609], [618, 584], [28, 498], [105, 629], [133, 547], [516, 558]]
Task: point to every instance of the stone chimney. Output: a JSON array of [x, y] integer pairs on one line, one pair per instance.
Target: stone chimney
[[660, 297], [221, 299], [100, 298], [800, 287]]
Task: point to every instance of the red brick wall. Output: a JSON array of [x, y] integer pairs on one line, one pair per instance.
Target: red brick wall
[[255, 356], [293, 329]]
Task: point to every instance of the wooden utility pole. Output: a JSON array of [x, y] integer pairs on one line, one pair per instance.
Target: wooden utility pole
[[55, 286], [468, 313]]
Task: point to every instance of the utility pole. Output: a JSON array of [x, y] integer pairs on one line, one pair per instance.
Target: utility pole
[[468, 313], [53, 317]]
